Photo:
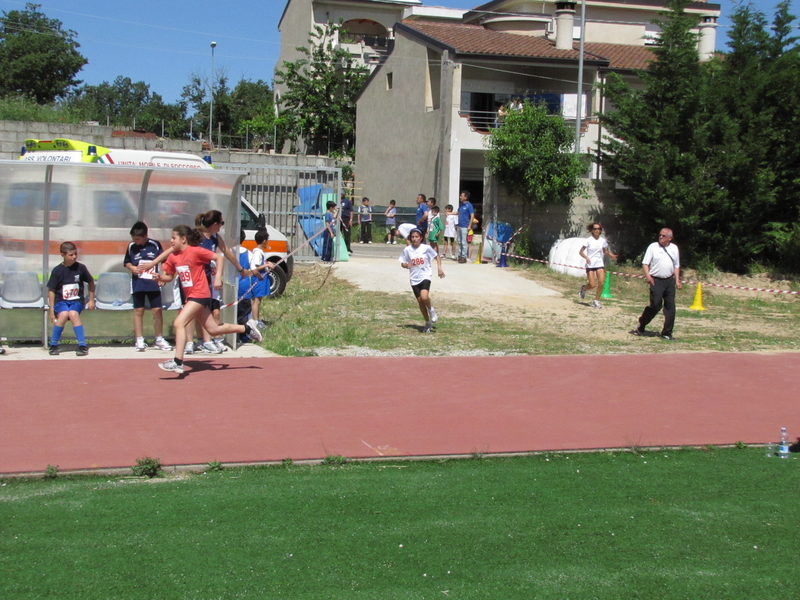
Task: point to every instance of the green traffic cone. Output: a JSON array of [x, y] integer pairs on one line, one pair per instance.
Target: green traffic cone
[[607, 287]]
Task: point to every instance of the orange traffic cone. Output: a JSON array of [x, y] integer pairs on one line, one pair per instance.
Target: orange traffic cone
[[698, 299]]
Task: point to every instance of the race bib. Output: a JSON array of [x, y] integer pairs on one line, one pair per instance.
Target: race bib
[[184, 276], [149, 274], [69, 291]]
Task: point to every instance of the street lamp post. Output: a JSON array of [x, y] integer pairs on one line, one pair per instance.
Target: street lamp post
[[211, 109]]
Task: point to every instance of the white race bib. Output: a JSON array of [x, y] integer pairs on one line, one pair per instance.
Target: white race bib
[[149, 274], [184, 276], [69, 291]]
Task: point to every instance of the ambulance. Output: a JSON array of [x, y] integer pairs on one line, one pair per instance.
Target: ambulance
[[114, 203]]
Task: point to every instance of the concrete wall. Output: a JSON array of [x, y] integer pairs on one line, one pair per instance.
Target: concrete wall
[[398, 135], [14, 133], [552, 222]]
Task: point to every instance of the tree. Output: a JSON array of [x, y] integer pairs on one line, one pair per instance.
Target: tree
[[756, 118], [125, 102], [38, 58], [531, 154], [711, 149], [657, 143], [321, 93]]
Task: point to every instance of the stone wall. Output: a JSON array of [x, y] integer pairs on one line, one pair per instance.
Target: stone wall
[[14, 133]]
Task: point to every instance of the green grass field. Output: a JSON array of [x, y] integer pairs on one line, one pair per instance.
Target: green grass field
[[715, 524]]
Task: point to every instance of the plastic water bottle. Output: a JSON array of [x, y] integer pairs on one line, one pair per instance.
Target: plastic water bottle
[[783, 445], [117, 302]]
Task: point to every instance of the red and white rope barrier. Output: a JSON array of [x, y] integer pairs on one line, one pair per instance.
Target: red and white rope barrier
[[704, 283]]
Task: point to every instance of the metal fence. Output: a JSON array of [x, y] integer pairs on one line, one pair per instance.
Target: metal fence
[[292, 199]]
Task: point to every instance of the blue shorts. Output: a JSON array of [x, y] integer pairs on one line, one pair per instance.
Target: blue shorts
[[68, 305], [140, 297]]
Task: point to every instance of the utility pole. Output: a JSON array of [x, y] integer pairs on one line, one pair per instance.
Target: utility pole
[[442, 184]]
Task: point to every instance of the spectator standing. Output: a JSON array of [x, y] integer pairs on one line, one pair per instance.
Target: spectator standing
[[365, 220], [346, 220], [421, 218], [259, 262], [450, 224], [391, 222], [466, 213], [662, 270], [329, 234], [143, 285]]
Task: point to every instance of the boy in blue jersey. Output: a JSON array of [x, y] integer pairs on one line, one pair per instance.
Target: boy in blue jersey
[[65, 297], [144, 285]]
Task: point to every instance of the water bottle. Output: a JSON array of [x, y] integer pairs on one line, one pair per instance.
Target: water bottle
[[783, 445], [117, 302]]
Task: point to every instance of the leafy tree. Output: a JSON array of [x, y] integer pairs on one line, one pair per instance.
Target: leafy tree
[[253, 111], [657, 143], [197, 97], [711, 150], [756, 120], [321, 93], [531, 154], [38, 58], [125, 102]]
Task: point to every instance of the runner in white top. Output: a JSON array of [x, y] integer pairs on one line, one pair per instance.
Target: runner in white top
[[450, 223], [417, 258], [593, 251]]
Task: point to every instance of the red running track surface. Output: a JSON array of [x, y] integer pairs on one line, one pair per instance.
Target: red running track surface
[[107, 413]]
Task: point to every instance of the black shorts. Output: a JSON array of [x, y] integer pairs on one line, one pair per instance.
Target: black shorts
[[588, 269], [215, 304], [140, 299], [204, 302], [425, 284]]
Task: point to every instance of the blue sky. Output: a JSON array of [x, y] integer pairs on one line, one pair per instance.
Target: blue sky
[[163, 42]]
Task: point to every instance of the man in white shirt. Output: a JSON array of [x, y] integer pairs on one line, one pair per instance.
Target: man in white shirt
[[662, 270]]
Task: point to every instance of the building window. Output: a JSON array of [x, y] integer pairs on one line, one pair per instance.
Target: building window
[[389, 80]]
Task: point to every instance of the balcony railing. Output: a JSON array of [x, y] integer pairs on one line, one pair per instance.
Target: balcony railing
[[483, 121]]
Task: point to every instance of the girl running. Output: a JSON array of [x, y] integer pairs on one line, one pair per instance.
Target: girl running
[[593, 251], [188, 261], [417, 259]]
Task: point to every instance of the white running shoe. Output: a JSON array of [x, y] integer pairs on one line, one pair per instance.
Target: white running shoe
[[189, 348], [211, 348], [582, 292], [171, 366], [433, 315], [140, 345], [596, 304], [428, 327], [220, 344], [394, 242], [162, 344], [252, 330], [452, 257]]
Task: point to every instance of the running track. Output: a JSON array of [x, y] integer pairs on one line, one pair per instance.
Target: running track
[[101, 413]]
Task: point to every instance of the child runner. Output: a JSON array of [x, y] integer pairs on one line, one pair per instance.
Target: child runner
[[450, 222], [65, 296], [404, 230], [259, 262], [417, 259], [435, 227], [391, 221], [592, 251], [143, 285], [329, 234], [188, 260], [365, 219]]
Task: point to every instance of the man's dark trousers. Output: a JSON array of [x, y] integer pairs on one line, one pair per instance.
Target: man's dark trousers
[[661, 292]]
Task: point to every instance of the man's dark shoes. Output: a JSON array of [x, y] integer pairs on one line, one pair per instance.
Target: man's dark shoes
[[638, 331], [669, 338]]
